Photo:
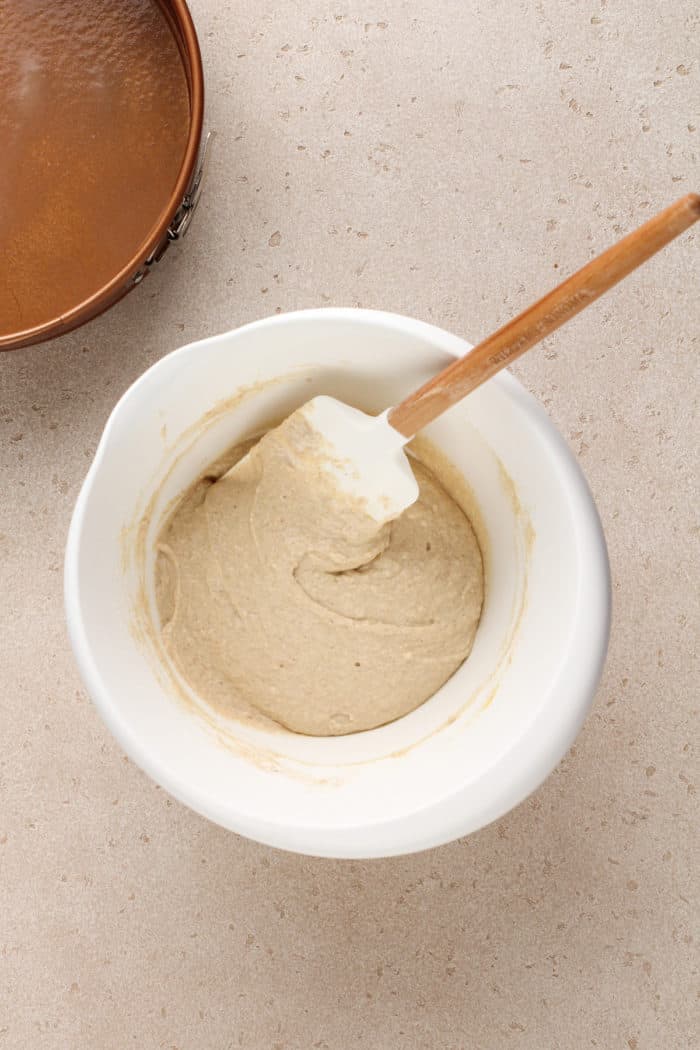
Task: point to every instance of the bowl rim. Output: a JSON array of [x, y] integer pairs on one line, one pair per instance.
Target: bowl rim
[[507, 782]]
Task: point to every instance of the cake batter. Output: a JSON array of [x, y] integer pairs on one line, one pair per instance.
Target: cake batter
[[277, 592]]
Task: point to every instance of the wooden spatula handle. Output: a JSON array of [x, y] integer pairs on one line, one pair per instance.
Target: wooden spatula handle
[[543, 317]]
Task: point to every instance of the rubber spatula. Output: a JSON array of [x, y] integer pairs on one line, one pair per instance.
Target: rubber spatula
[[364, 453]]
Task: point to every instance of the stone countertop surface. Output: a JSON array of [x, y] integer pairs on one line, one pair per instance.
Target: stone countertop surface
[[450, 161]]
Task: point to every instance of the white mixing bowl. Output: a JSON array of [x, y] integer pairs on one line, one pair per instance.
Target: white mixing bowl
[[488, 737]]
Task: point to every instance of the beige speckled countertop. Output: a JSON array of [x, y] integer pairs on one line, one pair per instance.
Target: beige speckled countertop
[[449, 161]]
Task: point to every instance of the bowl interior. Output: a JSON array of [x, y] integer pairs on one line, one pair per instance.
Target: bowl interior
[[537, 527]]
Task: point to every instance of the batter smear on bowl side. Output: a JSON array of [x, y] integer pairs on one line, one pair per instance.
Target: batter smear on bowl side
[[277, 591]]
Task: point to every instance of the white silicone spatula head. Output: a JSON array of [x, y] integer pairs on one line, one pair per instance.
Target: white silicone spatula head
[[364, 456]]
